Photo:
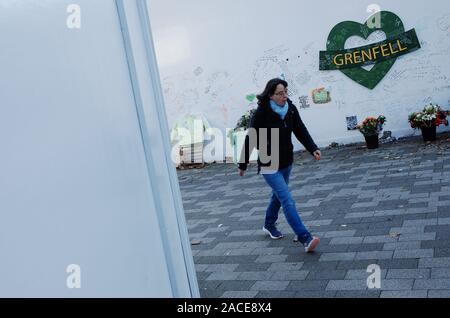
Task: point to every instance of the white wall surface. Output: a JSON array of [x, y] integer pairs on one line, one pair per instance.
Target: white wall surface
[[213, 54], [75, 184]]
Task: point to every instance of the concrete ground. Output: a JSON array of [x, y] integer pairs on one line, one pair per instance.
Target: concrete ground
[[389, 206]]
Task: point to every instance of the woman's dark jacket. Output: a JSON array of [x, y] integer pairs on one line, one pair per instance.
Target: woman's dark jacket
[[265, 117]]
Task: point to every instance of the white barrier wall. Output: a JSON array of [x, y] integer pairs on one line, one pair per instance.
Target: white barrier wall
[[89, 202], [214, 56]]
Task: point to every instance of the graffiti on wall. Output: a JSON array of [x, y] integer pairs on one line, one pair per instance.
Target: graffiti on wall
[[224, 94], [444, 24], [292, 66]]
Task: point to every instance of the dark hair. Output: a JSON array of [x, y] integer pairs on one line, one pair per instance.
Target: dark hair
[[270, 89]]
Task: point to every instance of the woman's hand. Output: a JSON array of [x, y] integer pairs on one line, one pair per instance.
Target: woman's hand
[[317, 155]]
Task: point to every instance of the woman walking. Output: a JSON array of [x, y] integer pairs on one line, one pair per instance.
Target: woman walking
[[276, 111]]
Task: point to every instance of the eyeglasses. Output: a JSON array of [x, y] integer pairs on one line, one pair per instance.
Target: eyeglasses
[[285, 93]]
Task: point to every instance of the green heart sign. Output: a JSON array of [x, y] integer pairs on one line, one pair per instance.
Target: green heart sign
[[390, 24]]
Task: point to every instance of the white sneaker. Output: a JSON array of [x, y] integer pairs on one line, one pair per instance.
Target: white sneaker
[[311, 245], [274, 233]]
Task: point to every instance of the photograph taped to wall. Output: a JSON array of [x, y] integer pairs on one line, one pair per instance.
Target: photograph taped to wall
[[303, 101], [352, 122]]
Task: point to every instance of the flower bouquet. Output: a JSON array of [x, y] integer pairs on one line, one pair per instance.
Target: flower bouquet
[[427, 120], [371, 128]]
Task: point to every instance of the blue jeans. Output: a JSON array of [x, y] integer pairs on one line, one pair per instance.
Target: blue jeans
[[281, 197]]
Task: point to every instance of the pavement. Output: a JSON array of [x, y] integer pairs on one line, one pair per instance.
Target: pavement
[[389, 207]]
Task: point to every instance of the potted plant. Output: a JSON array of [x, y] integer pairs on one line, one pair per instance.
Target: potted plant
[[427, 120], [238, 133], [371, 128]]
